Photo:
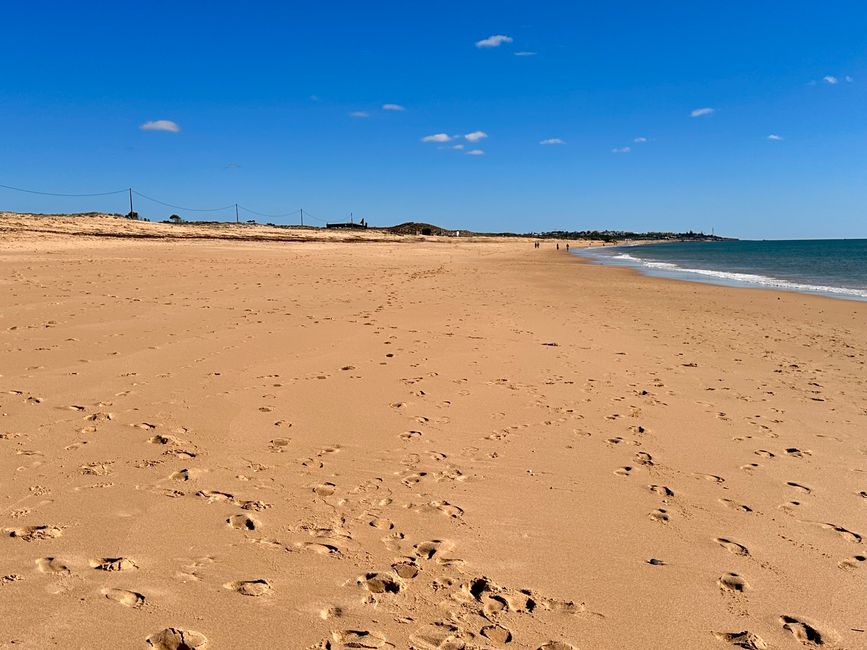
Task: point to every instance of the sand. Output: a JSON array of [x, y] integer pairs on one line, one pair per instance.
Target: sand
[[419, 444]]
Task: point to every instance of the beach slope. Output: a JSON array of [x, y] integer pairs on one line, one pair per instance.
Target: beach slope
[[437, 444]]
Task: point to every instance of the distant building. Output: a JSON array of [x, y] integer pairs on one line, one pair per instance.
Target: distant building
[[347, 226]]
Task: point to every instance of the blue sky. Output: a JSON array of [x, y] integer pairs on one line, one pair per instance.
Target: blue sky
[[264, 98]]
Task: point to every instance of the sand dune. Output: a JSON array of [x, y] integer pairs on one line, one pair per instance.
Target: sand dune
[[462, 444]]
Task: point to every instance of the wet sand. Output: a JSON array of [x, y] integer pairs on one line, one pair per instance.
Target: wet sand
[[461, 444]]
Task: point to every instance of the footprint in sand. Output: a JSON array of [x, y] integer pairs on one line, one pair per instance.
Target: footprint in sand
[[802, 631], [379, 583], [410, 435], [764, 453], [258, 587], [183, 454], [124, 597], [325, 489], [406, 569], [52, 565], [321, 548], [853, 562], [745, 639], [734, 505], [557, 645], [428, 550], [253, 504], [713, 478], [330, 611], [661, 490], [34, 533], [447, 508], [186, 475], [643, 458], [623, 471], [278, 445], [214, 496], [437, 635], [799, 487], [173, 638], [356, 639], [660, 515], [848, 535], [114, 564], [243, 522], [732, 582], [413, 478], [381, 524], [496, 633], [161, 439], [732, 547]]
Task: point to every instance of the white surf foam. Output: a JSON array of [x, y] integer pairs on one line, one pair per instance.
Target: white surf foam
[[726, 277]]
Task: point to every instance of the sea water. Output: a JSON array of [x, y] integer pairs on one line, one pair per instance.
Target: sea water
[[832, 267]]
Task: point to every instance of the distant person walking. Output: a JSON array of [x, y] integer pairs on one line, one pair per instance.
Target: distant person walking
[[558, 245]]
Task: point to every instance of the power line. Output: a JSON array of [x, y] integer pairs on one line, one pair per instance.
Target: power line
[[180, 207], [315, 218], [171, 205], [21, 189], [270, 216]]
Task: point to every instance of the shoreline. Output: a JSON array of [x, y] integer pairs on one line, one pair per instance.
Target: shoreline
[[716, 277]]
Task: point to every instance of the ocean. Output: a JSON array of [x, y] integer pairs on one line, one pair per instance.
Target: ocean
[[830, 267]]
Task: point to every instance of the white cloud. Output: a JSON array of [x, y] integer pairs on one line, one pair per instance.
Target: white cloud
[[699, 112], [359, 114], [525, 53], [832, 80], [393, 107], [437, 137], [458, 146], [475, 152], [775, 137], [475, 136], [621, 150], [161, 125], [494, 41], [640, 139], [552, 141]]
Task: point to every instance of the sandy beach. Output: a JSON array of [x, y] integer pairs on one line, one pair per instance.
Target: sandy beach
[[417, 443]]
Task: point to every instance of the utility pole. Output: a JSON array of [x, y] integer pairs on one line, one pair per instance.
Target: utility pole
[[130, 203], [302, 216], [236, 214]]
